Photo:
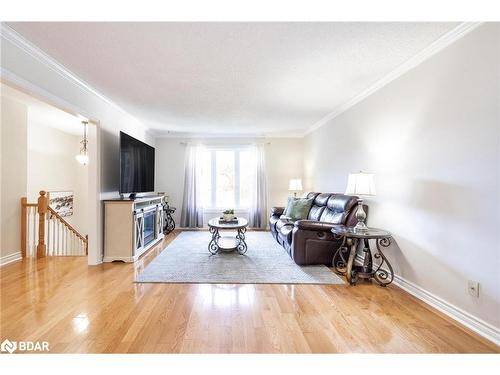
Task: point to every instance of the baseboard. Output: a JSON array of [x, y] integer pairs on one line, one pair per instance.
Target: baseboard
[[468, 320], [118, 259], [131, 259], [10, 258]]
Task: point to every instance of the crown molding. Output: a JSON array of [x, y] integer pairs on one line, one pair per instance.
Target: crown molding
[[183, 135], [26, 46], [13, 80], [458, 32], [29, 48], [438, 45]]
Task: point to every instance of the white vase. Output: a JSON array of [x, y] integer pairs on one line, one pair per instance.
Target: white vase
[[228, 217]]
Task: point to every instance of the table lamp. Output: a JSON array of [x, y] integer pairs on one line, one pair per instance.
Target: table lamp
[[362, 185], [295, 185]]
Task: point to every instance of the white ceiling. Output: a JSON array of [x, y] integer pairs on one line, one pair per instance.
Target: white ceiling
[[41, 113], [231, 78]]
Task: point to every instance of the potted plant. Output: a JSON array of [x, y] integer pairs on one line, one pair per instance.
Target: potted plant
[[228, 215]]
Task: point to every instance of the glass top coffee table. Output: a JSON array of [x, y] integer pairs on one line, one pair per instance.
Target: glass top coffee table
[[227, 243]]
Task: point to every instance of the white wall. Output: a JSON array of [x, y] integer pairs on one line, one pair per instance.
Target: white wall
[[26, 68], [13, 173], [432, 139], [52, 167], [1, 179], [284, 160]]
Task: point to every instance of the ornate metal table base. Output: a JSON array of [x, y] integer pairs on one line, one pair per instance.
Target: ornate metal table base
[[354, 243], [239, 243], [169, 223]]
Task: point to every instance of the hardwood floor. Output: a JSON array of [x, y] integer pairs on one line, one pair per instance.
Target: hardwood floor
[[100, 309]]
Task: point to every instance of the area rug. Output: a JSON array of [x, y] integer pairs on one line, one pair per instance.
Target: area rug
[[187, 260]]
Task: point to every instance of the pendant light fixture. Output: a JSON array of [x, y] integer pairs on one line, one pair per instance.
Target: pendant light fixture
[[83, 157]]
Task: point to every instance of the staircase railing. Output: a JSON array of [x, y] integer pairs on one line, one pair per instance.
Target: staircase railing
[[46, 233]]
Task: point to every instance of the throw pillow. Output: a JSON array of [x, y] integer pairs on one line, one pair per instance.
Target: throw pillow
[[298, 208]]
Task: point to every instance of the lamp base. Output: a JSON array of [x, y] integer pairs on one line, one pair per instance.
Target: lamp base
[[360, 227], [361, 216]]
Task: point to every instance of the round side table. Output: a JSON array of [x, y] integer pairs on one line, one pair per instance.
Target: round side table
[[227, 243], [352, 241]]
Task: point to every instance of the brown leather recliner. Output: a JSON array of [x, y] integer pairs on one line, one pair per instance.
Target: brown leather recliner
[[311, 241]]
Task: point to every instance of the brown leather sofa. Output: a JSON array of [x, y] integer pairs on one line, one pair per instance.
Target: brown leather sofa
[[311, 241]]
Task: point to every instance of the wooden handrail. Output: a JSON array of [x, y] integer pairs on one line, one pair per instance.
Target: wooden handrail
[[68, 225], [41, 224]]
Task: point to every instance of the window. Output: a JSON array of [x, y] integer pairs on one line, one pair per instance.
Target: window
[[227, 178]]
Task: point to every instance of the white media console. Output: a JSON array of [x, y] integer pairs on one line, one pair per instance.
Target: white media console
[[132, 226]]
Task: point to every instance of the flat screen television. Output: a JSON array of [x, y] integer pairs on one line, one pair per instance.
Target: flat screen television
[[137, 166]]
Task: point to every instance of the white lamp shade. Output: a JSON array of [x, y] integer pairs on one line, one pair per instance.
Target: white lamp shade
[[295, 184], [82, 159], [360, 184]]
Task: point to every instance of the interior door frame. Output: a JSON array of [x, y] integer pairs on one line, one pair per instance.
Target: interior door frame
[[94, 167]]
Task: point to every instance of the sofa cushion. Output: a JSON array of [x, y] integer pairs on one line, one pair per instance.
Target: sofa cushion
[[315, 212], [322, 199], [277, 211], [341, 202], [338, 208], [282, 222], [329, 216], [311, 194], [272, 223], [273, 220], [285, 233], [298, 208]]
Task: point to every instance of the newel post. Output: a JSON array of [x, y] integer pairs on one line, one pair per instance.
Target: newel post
[[41, 249]]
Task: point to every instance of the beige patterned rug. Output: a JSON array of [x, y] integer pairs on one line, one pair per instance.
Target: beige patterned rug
[[187, 260]]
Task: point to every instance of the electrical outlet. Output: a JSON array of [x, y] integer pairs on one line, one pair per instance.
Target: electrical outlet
[[473, 288]]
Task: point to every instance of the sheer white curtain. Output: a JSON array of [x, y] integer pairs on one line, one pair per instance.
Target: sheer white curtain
[[258, 206], [192, 209]]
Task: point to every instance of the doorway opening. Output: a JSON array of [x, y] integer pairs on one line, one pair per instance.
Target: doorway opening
[[44, 184]]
